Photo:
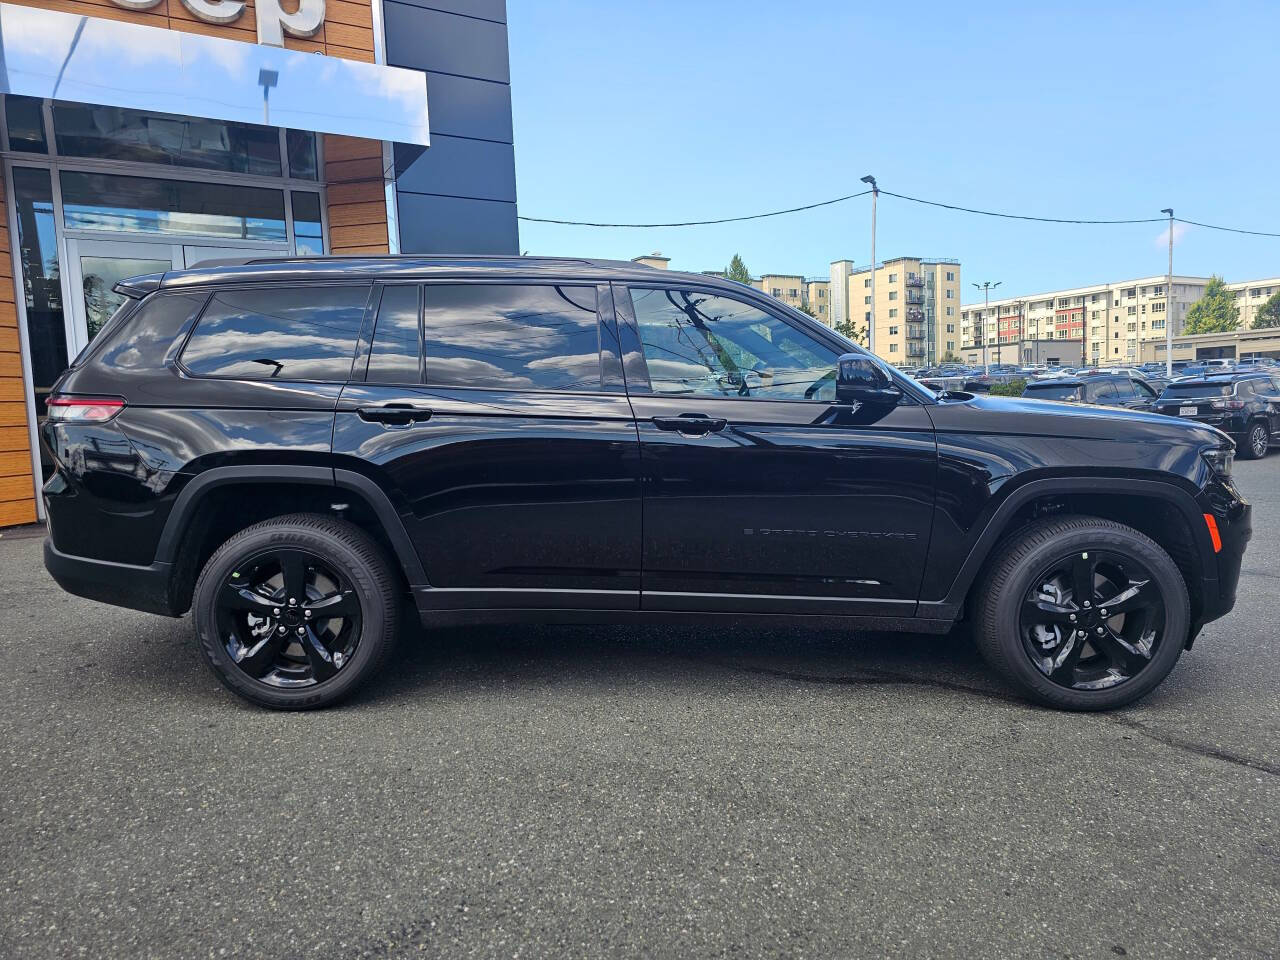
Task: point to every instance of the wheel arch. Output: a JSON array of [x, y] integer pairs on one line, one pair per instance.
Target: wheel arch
[[1163, 511], [223, 500]]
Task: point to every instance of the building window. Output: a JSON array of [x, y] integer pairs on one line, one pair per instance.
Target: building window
[[951, 276], [866, 282], [893, 294], [893, 331], [893, 312], [866, 299], [776, 291], [951, 294], [893, 348], [793, 292], [893, 278]]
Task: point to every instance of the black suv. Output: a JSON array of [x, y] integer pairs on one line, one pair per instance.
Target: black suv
[[1245, 406], [1100, 389], [300, 451]]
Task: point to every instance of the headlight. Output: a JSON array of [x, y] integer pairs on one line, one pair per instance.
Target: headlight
[[1220, 459]]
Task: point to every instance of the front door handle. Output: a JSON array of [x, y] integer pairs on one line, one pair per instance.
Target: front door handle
[[691, 424], [394, 414]]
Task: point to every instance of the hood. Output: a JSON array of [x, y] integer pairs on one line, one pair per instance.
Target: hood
[[1049, 418]]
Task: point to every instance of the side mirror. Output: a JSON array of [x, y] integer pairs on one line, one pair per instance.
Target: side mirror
[[860, 380]]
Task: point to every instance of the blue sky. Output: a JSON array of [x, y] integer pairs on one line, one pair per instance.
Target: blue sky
[[663, 111]]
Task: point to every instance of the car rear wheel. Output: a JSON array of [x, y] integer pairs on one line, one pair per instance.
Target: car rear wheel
[[294, 613], [1256, 442], [1082, 613]]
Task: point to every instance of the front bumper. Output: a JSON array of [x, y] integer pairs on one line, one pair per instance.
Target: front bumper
[[1233, 516]]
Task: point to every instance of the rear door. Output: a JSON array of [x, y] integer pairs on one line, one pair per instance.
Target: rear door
[[760, 493], [495, 415]]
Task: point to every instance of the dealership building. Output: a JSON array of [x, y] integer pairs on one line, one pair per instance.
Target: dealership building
[[147, 135]]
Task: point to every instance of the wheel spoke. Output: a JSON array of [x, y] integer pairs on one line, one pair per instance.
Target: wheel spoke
[[1083, 568], [1062, 664], [238, 597], [1123, 655], [257, 659], [1039, 610], [318, 655], [342, 604], [293, 569], [1134, 597]]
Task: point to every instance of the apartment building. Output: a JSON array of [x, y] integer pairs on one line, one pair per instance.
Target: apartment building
[[817, 298], [916, 310], [1110, 320], [1250, 295], [789, 288]]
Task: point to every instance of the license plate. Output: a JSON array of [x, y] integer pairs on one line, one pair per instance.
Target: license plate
[[1188, 411]]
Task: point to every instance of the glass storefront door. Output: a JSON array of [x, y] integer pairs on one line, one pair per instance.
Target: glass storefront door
[[95, 266]]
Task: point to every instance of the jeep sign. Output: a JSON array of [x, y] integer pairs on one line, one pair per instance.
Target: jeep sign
[[273, 21]]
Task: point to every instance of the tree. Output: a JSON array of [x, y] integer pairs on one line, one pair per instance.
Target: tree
[[847, 328], [738, 271], [1215, 312], [805, 308], [950, 357], [1268, 314]]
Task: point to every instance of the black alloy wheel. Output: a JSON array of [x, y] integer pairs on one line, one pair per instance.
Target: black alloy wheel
[[1092, 619], [288, 619], [296, 612], [1081, 613]]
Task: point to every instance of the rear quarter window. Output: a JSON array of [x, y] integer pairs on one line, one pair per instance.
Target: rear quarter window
[[308, 332], [141, 340]]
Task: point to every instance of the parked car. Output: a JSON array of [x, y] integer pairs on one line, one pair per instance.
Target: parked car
[[316, 445], [1245, 406], [1099, 389]]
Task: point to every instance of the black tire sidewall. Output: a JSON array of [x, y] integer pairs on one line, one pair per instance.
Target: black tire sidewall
[[375, 617], [1006, 609]]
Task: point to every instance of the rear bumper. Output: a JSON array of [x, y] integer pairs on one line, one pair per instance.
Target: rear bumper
[[120, 584]]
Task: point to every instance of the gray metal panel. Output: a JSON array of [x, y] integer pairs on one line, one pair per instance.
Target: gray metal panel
[[46, 53], [451, 225], [442, 42], [459, 167], [463, 107], [484, 9]]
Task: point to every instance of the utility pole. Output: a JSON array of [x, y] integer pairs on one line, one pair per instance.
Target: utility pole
[[1168, 303], [871, 325], [986, 286]]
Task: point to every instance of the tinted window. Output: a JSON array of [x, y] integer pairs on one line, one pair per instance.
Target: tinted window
[[303, 333], [1052, 391], [1198, 390], [705, 345], [1124, 389], [1101, 392], [395, 352], [140, 341], [1144, 390], [512, 337]]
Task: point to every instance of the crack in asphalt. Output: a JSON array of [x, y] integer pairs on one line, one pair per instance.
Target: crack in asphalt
[[873, 677]]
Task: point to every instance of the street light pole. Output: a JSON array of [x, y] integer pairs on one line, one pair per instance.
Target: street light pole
[[986, 287], [871, 324], [1168, 303]]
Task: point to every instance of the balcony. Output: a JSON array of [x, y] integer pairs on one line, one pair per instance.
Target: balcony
[[915, 298], [915, 313], [914, 281], [915, 332]]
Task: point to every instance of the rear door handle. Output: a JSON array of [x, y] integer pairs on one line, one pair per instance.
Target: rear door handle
[[394, 414], [691, 424]]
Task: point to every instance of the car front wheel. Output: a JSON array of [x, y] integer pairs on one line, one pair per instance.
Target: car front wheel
[[1082, 613], [296, 612]]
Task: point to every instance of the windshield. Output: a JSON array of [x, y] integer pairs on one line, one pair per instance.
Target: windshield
[[1052, 391], [1198, 390]]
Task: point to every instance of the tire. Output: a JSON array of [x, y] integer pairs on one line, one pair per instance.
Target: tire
[[352, 568], [1254, 444], [1024, 558]]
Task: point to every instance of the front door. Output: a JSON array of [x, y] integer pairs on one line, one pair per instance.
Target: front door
[[761, 494], [94, 267]]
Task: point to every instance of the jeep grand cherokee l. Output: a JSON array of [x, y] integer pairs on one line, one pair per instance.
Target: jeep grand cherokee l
[[299, 451]]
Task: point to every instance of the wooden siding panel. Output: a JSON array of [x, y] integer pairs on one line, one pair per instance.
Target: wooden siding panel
[[17, 512]]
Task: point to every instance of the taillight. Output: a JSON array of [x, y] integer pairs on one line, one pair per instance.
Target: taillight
[[1227, 404], [69, 407]]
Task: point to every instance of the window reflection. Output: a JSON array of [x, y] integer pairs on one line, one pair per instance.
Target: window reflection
[[116, 133], [24, 117], [308, 333], [99, 201], [308, 231], [301, 145], [396, 346], [703, 345], [41, 284], [512, 337]]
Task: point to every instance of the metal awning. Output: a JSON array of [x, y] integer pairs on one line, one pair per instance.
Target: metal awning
[[62, 56]]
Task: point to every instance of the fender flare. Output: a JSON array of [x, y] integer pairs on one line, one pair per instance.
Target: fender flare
[[199, 486], [997, 525]]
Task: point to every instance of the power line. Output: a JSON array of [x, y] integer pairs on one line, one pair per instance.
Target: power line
[[700, 223], [1016, 216], [1210, 226]]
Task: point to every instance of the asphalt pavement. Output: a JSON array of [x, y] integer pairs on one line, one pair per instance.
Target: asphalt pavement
[[601, 792]]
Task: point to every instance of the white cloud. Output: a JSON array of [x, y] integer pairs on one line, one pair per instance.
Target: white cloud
[[1179, 231]]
